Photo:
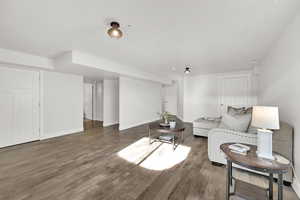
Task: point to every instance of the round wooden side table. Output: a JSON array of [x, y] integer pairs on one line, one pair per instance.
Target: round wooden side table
[[279, 165], [179, 129]]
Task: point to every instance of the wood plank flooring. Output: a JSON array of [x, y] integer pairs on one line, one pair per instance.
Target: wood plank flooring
[[86, 166], [89, 124]]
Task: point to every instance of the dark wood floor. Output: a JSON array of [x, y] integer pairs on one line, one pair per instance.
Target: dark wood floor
[[86, 166], [89, 124]]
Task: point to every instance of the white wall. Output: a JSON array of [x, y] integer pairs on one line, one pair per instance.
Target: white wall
[[140, 101], [279, 83], [62, 100], [110, 102], [180, 98], [204, 94], [200, 97], [170, 98]]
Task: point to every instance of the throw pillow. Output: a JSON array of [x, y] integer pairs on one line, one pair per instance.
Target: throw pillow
[[238, 111], [236, 123], [235, 111]]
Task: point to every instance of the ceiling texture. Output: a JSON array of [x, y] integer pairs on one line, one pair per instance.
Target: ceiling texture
[[160, 37]]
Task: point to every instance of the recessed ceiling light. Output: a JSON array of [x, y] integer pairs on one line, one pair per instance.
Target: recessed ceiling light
[[114, 31], [173, 68], [187, 70]]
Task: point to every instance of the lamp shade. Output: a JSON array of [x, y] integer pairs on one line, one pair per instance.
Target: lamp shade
[[265, 117]]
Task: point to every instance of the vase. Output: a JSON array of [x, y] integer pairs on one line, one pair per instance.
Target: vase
[[165, 120]]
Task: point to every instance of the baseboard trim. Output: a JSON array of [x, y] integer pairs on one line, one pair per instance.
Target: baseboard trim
[[122, 128], [110, 124], [61, 133], [296, 186]]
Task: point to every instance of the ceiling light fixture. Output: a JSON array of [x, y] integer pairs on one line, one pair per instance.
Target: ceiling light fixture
[[187, 70], [114, 31]]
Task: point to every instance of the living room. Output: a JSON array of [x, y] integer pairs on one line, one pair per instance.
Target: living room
[[172, 86]]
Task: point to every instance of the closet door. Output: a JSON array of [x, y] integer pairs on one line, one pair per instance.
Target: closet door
[[19, 105], [88, 101], [234, 90], [170, 96]]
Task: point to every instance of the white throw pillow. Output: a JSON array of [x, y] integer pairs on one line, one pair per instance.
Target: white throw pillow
[[236, 123]]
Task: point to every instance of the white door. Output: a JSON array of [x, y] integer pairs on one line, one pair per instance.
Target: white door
[[170, 97], [19, 106], [234, 91]]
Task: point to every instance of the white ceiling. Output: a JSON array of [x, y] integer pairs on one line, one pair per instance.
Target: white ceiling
[[210, 35]]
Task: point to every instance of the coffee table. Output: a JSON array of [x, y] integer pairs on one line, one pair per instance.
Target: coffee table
[[176, 133], [251, 161]]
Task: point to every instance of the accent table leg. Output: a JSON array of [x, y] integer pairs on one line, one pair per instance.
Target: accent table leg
[[174, 143], [280, 187], [230, 174], [149, 132], [271, 186], [229, 178]]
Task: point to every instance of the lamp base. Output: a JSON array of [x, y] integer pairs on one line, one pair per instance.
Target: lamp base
[[264, 144]]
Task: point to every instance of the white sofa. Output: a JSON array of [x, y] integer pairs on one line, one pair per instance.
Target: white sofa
[[202, 126], [281, 144]]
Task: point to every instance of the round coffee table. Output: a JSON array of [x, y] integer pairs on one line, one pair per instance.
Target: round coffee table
[[279, 165], [163, 130]]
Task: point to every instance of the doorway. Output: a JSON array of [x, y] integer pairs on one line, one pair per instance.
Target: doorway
[[170, 96], [92, 108]]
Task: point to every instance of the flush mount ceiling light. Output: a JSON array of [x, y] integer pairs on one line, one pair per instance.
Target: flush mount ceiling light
[[187, 70], [114, 31]]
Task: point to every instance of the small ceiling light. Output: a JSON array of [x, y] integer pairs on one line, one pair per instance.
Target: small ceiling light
[[114, 31], [187, 70]]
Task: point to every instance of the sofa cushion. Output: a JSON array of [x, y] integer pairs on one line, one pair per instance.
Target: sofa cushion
[[207, 124], [236, 122]]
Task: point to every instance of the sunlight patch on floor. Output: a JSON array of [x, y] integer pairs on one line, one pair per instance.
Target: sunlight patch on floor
[[137, 151], [160, 156]]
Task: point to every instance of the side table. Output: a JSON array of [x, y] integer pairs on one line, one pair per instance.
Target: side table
[[279, 165], [179, 129]]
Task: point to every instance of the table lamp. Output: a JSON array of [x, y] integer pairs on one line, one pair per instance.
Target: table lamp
[[264, 118]]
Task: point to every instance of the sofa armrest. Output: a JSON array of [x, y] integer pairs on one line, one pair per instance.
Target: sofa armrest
[[218, 136], [233, 133]]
